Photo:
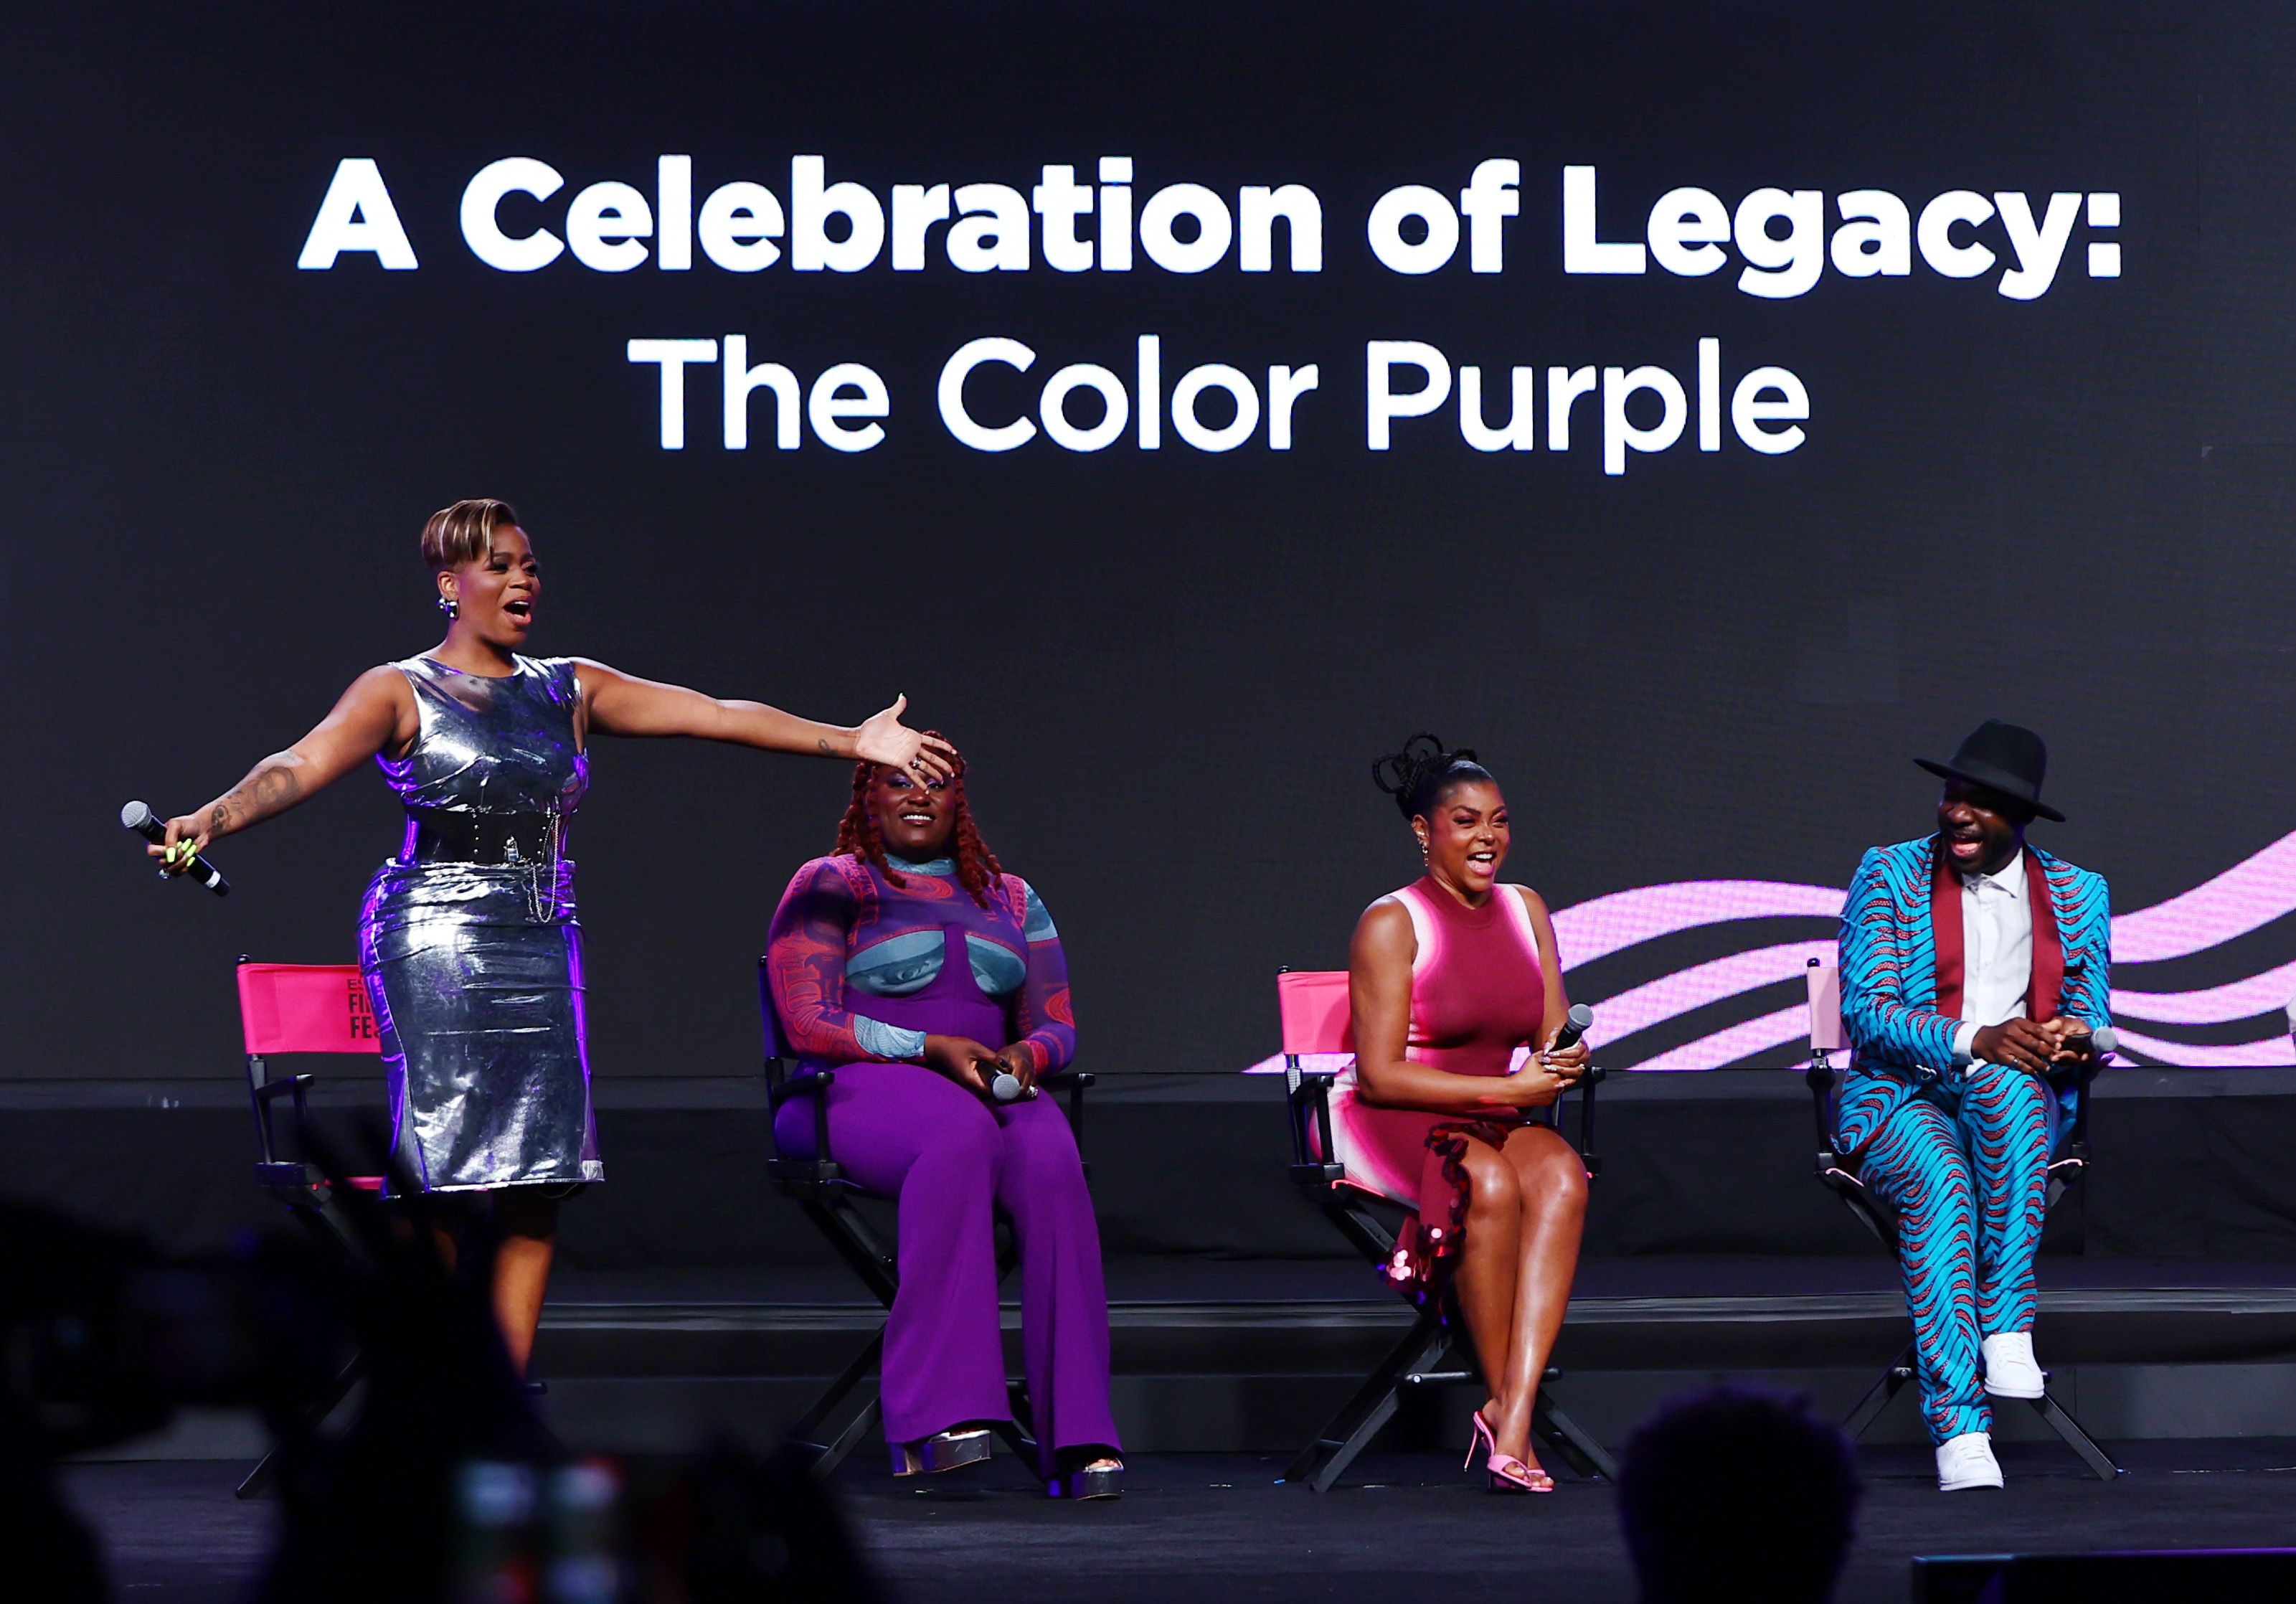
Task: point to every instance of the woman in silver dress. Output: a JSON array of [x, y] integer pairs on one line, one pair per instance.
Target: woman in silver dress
[[468, 938]]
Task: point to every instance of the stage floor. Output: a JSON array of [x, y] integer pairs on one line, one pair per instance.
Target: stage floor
[[1217, 1526], [1254, 1355]]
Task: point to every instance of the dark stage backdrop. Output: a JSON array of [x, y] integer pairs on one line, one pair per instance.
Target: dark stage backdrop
[[2046, 470]]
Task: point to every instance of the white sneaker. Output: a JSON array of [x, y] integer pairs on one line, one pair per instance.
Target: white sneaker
[[2009, 1370], [1967, 1461]]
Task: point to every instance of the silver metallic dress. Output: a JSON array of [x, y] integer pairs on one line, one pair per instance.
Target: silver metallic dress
[[475, 968]]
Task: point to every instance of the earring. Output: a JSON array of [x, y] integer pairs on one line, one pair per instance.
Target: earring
[[449, 605]]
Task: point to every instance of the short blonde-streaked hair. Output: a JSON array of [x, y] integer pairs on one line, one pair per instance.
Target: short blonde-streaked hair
[[464, 532]]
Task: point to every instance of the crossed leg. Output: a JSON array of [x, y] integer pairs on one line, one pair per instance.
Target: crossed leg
[[1527, 1207], [1916, 1163], [2005, 1117]]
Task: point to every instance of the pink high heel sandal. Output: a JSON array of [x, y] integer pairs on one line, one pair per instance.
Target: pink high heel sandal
[[1507, 1473]]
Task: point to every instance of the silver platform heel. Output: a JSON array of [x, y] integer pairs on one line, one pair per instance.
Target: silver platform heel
[[1086, 1482], [943, 1451]]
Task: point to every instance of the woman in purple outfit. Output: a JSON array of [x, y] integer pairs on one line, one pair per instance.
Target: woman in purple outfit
[[913, 965]]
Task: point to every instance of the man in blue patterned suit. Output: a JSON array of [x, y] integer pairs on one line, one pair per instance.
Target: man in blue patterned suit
[[1973, 971]]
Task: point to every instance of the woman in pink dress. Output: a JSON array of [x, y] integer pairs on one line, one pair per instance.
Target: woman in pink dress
[[1448, 980]]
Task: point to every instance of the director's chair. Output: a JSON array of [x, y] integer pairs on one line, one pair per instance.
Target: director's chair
[[1312, 1008], [2068, 1160], [305, 1010], [829, 1199]]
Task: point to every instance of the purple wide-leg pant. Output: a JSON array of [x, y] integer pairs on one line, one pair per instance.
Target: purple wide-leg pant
[[953, 1162]]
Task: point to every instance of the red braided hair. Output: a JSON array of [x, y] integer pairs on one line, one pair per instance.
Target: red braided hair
[[977, 868]]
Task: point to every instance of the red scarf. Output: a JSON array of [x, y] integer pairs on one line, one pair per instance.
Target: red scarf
[[2042, 994]]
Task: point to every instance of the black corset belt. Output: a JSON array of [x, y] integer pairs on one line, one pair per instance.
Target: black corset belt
[[456, 835]]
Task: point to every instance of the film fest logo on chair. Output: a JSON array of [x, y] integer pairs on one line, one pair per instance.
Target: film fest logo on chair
[[2246, 897], [362, 1025]]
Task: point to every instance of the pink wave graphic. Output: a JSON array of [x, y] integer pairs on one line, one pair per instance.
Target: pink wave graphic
[[1663, 999], [2246, 897], [1587, 931], [2217, 1005], [1739, 1042]]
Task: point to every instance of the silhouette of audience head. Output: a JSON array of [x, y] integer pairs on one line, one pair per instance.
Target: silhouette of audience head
[[1735, 1493]]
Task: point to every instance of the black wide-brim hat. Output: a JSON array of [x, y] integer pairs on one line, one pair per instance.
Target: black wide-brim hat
[[2007, 758]]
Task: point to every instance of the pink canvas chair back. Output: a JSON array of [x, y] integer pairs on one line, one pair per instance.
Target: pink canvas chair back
[[305, 1008], [1825, 1035], [1313, 1004]]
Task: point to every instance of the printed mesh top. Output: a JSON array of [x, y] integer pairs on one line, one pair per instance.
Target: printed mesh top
[[851, 958]]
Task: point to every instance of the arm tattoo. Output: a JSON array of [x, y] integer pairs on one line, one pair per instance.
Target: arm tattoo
[[270, 787], [827, 750], [275, 787]]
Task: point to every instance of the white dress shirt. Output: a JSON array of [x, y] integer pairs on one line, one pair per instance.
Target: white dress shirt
[[1997, 950]]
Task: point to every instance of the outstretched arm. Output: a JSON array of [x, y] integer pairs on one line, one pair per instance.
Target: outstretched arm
[[377, 711], [622, 704]]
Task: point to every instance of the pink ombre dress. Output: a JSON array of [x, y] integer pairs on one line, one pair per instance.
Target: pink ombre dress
[[1478, 996]]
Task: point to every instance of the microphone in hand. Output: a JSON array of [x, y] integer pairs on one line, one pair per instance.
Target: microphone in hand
[[1004, 1085], [137, 817], [2075, 1039], [1575, 1025]]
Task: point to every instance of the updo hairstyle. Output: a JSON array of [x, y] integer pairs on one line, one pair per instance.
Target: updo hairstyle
[[1419, 775], [464, 532]]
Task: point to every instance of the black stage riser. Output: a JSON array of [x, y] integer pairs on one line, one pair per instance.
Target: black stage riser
[[2189, 1165]]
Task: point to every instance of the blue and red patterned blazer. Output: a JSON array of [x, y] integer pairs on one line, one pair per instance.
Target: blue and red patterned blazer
[[1901, 971]]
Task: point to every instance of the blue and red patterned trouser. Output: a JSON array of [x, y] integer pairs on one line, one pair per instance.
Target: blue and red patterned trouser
[[1969, 1188]]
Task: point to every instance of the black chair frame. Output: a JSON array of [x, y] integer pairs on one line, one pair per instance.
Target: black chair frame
[[306, 1194], [1430, 1353], [1840, 1176], [828, 1197]]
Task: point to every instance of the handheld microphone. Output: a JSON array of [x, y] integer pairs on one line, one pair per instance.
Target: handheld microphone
[[149, 826], [2101, 1043], [1575, 1025], [1006, 1087]]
